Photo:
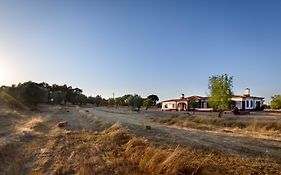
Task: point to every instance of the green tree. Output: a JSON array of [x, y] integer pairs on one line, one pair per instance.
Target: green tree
[[111, 102], [220, 87], [57, 97], [154, 99], [129, 100], [32, 94], [148, 103], [134, 101], [275, 102], [119, 101], [98, 100], [137, 102]]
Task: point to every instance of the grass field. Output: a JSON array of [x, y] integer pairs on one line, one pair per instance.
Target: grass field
[[32, 143]]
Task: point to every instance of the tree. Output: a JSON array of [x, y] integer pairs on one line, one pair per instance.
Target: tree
[[138, 102], [98, 100], [193, 105], [275, 102], [32, 94], [119, 101], [134, 101], [154, 99], [57, 97], [220, 87], [129, 100], [111, 102], [147, 103]]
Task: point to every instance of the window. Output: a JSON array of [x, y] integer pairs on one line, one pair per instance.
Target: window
[[247, 103], [165, 106], [251, 103], [173, 106]]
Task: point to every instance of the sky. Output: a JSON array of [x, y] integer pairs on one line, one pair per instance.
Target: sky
[[146, 47]]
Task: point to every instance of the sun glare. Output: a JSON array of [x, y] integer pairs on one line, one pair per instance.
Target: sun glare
[[2, 77]]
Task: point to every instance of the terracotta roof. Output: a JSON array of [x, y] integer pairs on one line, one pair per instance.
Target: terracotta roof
[[180, 99], [191, 98], [196, 97]]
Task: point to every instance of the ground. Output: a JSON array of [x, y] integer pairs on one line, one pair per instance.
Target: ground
[[200, 143]]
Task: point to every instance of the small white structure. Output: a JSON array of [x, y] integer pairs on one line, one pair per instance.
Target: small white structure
[[247, 102], [175, 104]]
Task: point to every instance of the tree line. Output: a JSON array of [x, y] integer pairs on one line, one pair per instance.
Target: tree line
[[32, 93]]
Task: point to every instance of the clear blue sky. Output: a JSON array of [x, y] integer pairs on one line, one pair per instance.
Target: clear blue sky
[[146, 47]]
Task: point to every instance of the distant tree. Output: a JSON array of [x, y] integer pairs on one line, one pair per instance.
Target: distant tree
[[275, 102], [220, 92], [119, 101], [111, 102], [57, 97], [137, 102], [98, 100], [193, 105], [129, 100], [159, 105], [134, 101], [33, 94], [91, 100], [81, 99], [154, 99], [148, 103]]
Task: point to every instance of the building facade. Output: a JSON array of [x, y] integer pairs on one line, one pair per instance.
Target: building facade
[[242, 102]]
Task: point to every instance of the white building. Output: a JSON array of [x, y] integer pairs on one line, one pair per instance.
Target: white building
[[180, 104], [247, 102], [185, 103], [242, 102]]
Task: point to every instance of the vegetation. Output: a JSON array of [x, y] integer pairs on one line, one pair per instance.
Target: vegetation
[[220, 87], [134, 101], [209, 122], [116, 151], [147, 103], [31, 94], [154, 99], [275, 102]]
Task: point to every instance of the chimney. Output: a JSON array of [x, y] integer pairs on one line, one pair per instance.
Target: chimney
[[247, 92], [182, 95]]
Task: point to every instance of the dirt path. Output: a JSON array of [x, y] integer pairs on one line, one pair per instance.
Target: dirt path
[[159, 134]]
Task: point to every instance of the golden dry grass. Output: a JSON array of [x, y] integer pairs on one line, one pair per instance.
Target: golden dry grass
[[212, 122], [115, 151]]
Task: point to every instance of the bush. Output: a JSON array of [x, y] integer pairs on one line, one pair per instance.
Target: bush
[[236, 111]]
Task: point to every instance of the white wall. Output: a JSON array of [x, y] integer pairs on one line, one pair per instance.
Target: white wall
[[238, 102], [169, 105]]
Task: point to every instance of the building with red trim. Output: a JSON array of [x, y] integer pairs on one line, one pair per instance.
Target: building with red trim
[[242, 102]]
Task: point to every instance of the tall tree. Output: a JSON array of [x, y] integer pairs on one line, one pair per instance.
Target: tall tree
[[275, 102], [134, 101], [111, 102], [98, 100], [220, 87], [33, 94], [147, 103], [154, 99]]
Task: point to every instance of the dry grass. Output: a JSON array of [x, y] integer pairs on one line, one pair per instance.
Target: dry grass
[[115, 151], [212, 123]]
